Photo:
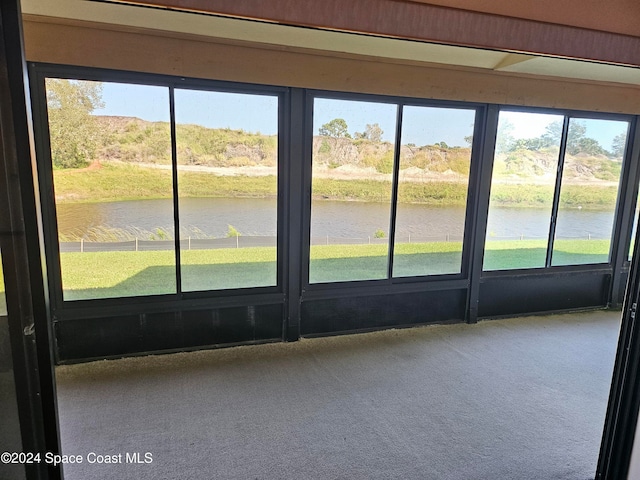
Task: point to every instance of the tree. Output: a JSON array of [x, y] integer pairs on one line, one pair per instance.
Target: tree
[[504, 137], [553, 134], [73, 130], [586, 145], [618, 145], [371, 132], [577, 141], [575, 137], [335, 128]]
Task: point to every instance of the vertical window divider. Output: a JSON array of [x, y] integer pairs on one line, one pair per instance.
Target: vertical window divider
[[556, 193], [174, 171], [48, 208], [625, 215], [394, 190], [483, 152], [296, 243], [306, 175]]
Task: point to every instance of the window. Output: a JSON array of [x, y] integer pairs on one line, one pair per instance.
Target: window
[[435, 156], [227, 147], [522, 190], [111, 159], [353, 157], [550, 207], [162, 190], [175, 188], [358, 190], [590, 177]]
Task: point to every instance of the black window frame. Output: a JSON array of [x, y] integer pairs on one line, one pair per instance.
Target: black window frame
[[452, 279], [81, 308], [465, 296], [619, 222]]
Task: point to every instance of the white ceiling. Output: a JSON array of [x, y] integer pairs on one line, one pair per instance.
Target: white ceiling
[[322, 40]]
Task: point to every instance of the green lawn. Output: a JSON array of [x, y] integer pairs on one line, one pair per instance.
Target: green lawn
[[121, 274], [510, 254], [124, 274], [116, 182]]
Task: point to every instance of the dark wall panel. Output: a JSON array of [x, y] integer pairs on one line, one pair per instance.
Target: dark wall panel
[[520, 294], [123, 335], [357, 313]]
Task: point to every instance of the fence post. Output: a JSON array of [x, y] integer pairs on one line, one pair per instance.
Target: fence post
[[589, 236], [447, 237], [82, 245], [136, 244], [237, 241], [369, 240], [522, 236], [409, 238], [327, 239], [189, 243]]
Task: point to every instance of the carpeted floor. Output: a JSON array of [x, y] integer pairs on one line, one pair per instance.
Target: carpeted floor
[[504, 399]]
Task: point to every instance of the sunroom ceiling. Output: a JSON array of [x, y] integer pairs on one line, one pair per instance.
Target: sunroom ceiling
[[320, 41]]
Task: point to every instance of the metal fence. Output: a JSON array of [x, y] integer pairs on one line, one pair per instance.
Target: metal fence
[[522, 236], [189, 243]]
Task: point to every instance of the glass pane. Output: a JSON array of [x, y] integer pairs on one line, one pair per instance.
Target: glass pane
[[522, 188], [589, 191], [353, 152], [633, 233], [111, 153], [432, 190], [228, 189], [3, 298]]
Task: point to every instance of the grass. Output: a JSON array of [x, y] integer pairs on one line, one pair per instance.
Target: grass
[[114, 274], [114, 182], [510, 254], [121, 274]]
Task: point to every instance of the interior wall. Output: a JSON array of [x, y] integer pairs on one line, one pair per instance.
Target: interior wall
[[97, 45]]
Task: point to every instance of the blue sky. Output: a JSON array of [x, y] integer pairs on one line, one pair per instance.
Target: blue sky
[[420, 125], [258, 113], [530, 125]]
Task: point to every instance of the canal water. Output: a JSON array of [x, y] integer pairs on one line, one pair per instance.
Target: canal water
[[211, 217]]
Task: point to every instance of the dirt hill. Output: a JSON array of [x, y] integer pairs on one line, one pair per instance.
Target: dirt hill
[[130, 139]]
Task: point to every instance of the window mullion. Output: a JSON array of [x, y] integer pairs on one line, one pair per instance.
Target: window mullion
[[556, 193], [174, 170], [394, 191]]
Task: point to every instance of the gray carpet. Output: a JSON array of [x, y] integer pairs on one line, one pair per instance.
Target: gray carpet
[[504, 399]]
